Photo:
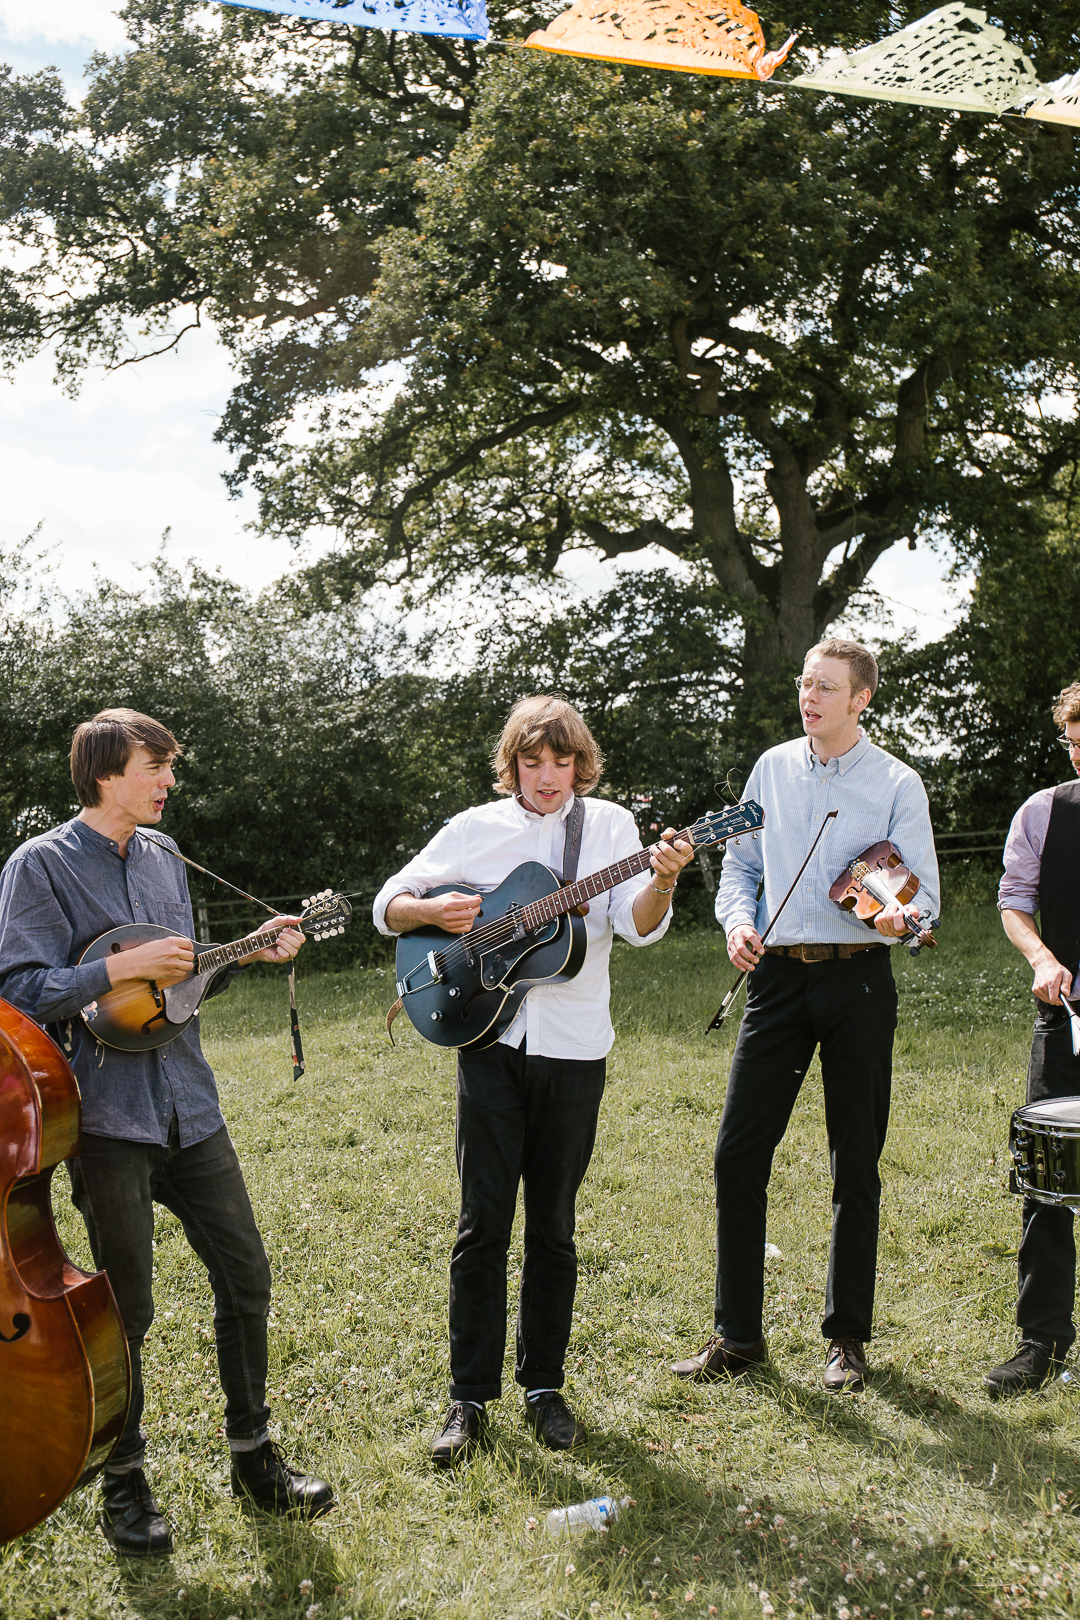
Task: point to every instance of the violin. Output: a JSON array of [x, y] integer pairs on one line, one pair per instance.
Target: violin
[[873, 881], [64, 1371]]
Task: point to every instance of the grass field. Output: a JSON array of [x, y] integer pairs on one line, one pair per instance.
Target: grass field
[[757, 1497]]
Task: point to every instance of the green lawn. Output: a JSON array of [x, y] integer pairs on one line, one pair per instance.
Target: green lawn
[[756, 1497]]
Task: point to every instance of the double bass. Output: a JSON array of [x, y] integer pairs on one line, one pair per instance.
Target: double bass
[[64, 1372]]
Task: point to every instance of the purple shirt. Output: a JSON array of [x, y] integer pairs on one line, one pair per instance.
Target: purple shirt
[[1019, 888]]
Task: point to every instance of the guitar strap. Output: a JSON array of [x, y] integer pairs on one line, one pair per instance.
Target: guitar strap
[[575, 823]]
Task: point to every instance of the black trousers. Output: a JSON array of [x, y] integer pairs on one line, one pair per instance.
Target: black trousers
[[848, 1009], [529, 1120], [115, 1185], [1047, 1257]]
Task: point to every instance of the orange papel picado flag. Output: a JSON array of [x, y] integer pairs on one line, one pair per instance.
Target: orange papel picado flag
[[718, 36]]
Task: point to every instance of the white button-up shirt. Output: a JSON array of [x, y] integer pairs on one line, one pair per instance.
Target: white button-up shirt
[[876, 797], [481, 847]]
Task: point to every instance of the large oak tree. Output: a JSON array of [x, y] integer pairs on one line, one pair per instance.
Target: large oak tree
[[489, 306]]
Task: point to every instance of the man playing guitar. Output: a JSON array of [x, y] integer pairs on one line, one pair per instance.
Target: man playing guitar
[[528, 1104], [152, 1126]]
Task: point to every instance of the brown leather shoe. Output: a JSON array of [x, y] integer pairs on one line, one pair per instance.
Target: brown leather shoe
[[845, 1366], [717, 1358]]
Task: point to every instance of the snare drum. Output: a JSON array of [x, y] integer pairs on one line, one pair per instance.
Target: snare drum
[[1044, 1140]]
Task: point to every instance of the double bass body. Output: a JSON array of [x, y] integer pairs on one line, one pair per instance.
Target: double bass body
[[64, 1375]]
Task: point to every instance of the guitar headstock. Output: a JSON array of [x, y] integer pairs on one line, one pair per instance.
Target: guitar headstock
[[325, 913], [718, 825]]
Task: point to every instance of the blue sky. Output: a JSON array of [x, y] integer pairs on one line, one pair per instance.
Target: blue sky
[[106, 473]]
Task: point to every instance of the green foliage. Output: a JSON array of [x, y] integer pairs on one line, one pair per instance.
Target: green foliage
[[490, 306], [921, 1491], [972, 710], [320, 748]]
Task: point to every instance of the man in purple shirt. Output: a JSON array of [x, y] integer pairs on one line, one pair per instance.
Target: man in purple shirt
[[1042, 874]]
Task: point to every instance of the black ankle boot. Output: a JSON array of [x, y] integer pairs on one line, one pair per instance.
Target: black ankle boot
[[130, 1518], [272, 1484]]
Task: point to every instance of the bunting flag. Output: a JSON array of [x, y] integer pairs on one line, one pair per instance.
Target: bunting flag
[[457, 19], [715, 36], [1058, 103], [951, 58]]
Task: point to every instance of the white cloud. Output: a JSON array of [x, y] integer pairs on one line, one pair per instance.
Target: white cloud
[[106, 473], [63, 22]]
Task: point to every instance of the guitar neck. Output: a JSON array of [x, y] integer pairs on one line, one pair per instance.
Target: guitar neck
[[587, 888], [220, 956]]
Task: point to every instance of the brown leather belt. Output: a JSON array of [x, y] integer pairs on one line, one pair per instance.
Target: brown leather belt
[[824, 953]]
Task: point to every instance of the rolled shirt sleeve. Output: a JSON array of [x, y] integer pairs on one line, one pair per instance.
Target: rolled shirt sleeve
[[1019, 886]]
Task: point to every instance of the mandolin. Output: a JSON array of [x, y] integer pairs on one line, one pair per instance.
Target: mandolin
[[64, 1374], [139, 1015], [464, 990]]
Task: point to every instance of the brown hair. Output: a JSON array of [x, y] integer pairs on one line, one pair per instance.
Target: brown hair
[[102, 747], [1067, 706], [539, 720], [859, 659]]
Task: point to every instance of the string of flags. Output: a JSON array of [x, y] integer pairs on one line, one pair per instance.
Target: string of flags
[[952, 58]]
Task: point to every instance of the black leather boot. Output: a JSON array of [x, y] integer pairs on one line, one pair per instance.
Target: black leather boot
[[130, 1519], [263, 1476]]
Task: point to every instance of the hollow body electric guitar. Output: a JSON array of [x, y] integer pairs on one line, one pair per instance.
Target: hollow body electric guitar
[[464, 990], [138, 1014]]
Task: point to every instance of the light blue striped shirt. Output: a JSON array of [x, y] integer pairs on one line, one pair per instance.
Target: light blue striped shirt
[[876, 796]]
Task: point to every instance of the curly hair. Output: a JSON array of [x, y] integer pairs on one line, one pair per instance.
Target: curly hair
[[1067, 705], [537, 721]]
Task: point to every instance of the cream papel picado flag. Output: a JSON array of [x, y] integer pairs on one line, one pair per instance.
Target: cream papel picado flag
[[952, 58]]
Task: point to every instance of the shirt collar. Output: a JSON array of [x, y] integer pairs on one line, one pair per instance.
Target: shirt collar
[[92, 838], [844, 762], [529, 817]]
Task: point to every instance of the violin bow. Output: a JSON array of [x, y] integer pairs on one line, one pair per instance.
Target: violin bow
[[729, 999]]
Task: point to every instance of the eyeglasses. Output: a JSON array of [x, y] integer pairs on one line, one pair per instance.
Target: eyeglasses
[[826, 688], [1068, 743]]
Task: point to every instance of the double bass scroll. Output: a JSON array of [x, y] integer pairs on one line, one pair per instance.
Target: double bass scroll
[[64, 1373]]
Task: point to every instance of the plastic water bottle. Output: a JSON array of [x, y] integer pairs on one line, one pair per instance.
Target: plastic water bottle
[[594, 1515]]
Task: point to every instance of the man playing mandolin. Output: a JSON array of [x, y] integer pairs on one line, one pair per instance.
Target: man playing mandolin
[[152, 1125], [528, 1104], [822, 982]]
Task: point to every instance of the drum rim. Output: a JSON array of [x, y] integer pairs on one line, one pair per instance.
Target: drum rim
[[1059, 1127]]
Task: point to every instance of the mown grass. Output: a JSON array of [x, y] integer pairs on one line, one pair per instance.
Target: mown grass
[[756, 1497]]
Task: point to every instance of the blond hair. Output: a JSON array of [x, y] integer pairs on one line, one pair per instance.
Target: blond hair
[[859, 659], [537, 721]]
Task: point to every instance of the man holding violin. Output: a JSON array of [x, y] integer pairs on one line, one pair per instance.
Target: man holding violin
[[823, 981], [1042, 875], [152, 1130]]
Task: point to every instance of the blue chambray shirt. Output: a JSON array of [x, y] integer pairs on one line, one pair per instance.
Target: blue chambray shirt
[[876, 797], [60, 891]]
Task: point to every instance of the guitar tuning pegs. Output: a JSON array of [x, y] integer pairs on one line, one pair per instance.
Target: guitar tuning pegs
[[753, 835], [326, 893]]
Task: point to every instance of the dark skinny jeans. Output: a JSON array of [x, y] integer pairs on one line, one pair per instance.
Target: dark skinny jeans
[[848, 1009], [529, 1120], [114, 1185]]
